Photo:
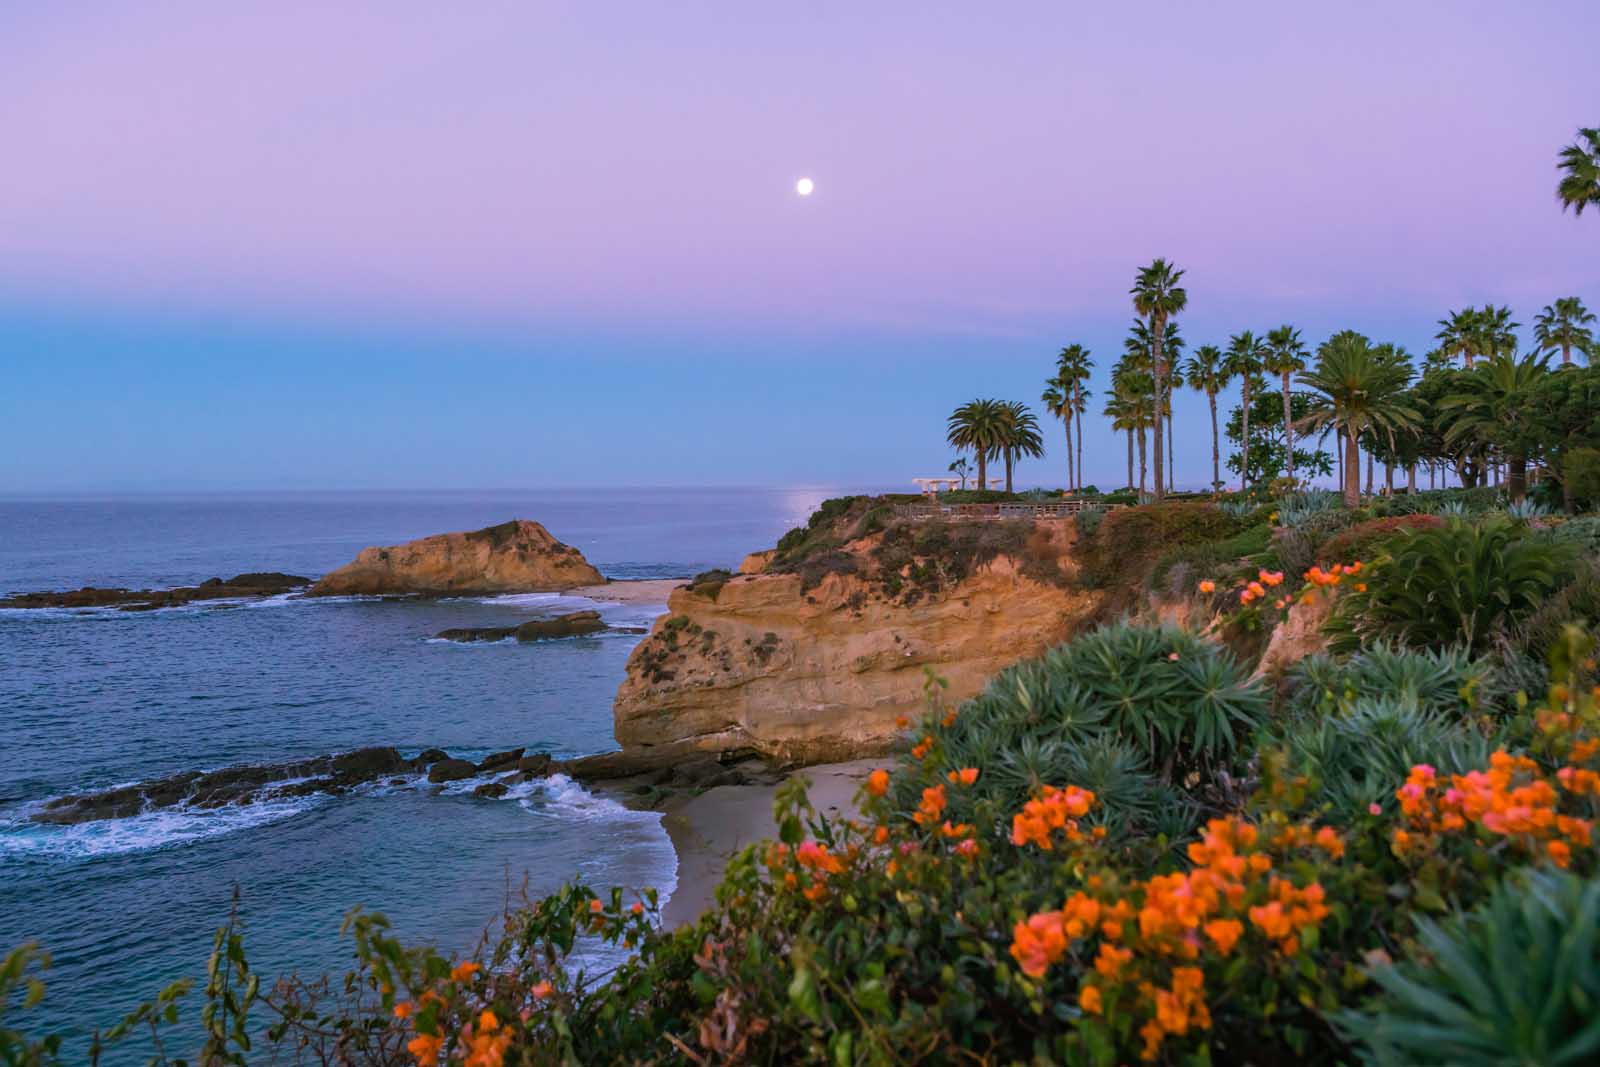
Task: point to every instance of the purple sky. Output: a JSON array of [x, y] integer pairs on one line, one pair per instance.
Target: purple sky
[[620, 177]]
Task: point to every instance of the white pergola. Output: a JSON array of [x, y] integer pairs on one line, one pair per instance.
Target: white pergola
[[935, 486]]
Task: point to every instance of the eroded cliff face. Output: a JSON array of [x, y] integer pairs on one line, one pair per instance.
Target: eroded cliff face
[[811, 668], [514, 557]]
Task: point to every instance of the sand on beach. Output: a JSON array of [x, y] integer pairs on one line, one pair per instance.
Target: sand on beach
[[708, 829], [631, 590]]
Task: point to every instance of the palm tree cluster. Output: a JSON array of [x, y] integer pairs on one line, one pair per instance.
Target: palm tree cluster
[[995, 429]]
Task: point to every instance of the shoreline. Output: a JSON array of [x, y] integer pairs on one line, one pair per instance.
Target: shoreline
[[629, 590], [711, 827]]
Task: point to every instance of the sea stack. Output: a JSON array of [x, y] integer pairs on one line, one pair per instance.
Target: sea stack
[[514, 557]]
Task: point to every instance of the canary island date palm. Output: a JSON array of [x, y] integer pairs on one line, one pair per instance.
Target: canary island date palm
[[1157, 297], [978, 426], [1021, 436], [1564, 325], [1580, 172], [1286, 355], [1496, 404], [1358, 391], [1244, 360], [1206, 372]]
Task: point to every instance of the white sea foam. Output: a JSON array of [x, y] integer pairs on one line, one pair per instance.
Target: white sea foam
[[162, 828]]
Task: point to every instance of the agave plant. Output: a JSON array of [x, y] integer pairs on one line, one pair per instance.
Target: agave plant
[[1526, 510], [1236, 509], [1457, 584], [1296, 508], [1514, 982], [1433, 680], [1360, 757]]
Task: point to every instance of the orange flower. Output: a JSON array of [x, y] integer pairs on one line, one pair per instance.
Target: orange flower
[[404, 1009], [638, 907], [1208, 586], [922, 749], [464, 971], [958, 830], [949, 720], [965, 776], [426, 1048], [1560, 853], [541, 990], [814, 855], [932, 807], [880, 835], [902, 721], [596, 907], [1089, 1000], [967, 848], [1224, 933], [1330, 842], [1055, 809], [488, 1021], [1038, 942], [878, 782]]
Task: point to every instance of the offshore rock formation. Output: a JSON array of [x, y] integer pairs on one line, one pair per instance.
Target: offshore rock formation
[[239, 587], [573, 624], [816, 662], [513, 557]]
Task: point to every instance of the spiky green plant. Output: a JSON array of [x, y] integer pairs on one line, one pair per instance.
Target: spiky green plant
[[1516, 981], [1434, 680], [1359, 756], [1457, 584]]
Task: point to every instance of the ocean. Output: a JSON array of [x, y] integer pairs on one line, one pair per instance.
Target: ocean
[[97, 698]]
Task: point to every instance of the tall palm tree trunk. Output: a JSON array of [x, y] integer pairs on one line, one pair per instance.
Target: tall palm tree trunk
[[1158, 326], [1077, 403], [1388, 478], [1352, 471], [1216, 446], [983, 471], [1516, 476], [1070, 479], [1369, 472], [1172, 479], [1008, 469], [1288, 430], [1130, 458], [1142, 467], [1244, 451], [1566, 355]]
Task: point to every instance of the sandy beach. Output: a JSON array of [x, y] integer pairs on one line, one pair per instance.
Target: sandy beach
[[631, 591], [707, 829]]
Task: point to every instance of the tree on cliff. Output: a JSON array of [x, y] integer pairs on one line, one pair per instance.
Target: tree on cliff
[[1358, 391], [1021, 436], [978, 426]]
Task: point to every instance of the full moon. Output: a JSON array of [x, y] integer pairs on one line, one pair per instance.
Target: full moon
[[804, 186]]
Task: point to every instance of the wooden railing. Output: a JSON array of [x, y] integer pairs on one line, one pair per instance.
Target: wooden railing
[[1059, 510]]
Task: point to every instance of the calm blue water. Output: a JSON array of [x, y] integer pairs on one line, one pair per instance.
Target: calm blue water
[[92, 699]]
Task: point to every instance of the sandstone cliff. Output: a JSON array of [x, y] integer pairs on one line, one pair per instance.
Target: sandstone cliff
[[513, 557], [815, 662]]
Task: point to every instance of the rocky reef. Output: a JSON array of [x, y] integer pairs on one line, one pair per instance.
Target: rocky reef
[[240, 586], [572, 624], [519, 556], [818, 647]]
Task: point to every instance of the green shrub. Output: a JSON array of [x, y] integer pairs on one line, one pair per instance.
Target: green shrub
[[1127, 541], [1356, 757], [1362, 540], [1581, 533], [1174, 570], [1297, 509], [1297, 546], [1516, 981], [1434, 680], [1581, 470], [1461, 583]]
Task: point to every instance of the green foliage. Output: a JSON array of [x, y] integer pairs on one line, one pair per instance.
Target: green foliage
[[1581, 471], [709, 583], [1246, 550], [1298, 509], [1129, 540], [1461, 583], [1435, 680], [1516, 981]]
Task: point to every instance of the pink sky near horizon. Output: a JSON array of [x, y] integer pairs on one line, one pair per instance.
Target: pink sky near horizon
[[976, 170]]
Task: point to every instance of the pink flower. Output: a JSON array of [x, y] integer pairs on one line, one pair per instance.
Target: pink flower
[[1374, 809]]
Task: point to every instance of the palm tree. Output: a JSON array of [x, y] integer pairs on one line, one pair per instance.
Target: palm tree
[[1020, 436], [1157, 296], [978, 425], [1580, 185], [1494, 400], [1359, 391], [1458, 334], [1244, 360], [1073, 363], [1057, 401], [1131, 407], [1565, 325], [1286, 355], [1207, 373], [1496, 332]]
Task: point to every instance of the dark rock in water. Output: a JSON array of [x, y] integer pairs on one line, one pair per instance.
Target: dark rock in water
[[241, 784], [536, 764], [573, 624], [491, 790], [467, 634], [451, 770], [429, 756], [630, 629], [240, 586], [578, 622], [497, 760]]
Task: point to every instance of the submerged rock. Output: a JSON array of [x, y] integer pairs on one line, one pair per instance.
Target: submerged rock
[[499, 760], [241, 586], [514, 557], [491, 790], [230, 785], [573, 624]]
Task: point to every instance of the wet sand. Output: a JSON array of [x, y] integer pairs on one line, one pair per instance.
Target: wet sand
[[626, 591], [707, 829]]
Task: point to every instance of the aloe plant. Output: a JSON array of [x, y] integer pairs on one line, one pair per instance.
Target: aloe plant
[[1516, 981]]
